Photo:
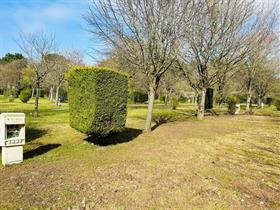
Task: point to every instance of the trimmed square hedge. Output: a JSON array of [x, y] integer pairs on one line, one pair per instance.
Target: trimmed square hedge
[[209, 98], [97, 100]]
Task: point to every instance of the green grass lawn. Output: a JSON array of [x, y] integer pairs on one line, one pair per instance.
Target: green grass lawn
[[222, 162]]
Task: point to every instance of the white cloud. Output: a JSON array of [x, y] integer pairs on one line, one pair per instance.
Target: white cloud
[[57, 12], [42, 15]]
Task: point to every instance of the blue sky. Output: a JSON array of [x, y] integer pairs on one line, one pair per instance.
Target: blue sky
[[61, 17]]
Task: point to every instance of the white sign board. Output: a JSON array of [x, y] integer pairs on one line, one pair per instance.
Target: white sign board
[[12, 129], [237, 109], [12, 137]]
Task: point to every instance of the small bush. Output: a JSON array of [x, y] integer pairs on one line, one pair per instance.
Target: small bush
[[63, 95], [162, 98], [231, 102], [183, 99], [276, 103], [139, 97], [269, 101], [242, 98], [209, 98], [174, 101], [97, 100], [25, 95], [7, 93], [11, 93], [41, 93]]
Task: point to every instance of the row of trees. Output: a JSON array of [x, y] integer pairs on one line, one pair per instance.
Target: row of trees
[[163, 45], [41, 66], [209, 41]]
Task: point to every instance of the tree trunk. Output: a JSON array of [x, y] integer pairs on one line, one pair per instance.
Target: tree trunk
[[221, 88], [166, 100], [32, 93], [36, 108], [259, 101], [201, 104], [151, 99], [57, 95], [220, 94], [249, 98], [51, 94]]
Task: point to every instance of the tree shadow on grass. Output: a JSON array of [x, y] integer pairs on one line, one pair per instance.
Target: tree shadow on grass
[[116, 138], [34, 133], [40, 150], [167, 118], [161, 120]]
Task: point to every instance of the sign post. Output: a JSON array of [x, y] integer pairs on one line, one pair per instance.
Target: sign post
[[12, 137]]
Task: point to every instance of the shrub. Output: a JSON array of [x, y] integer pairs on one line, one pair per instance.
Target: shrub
[[139, 97], [11, 93], [7, 93], [269, 101], [162, 98], [97, 100], [174, 101], [63, 95], [231, 102], [242, 98], [276, 103], [25, 95], [41, 93], [209, 98], [183, 99]]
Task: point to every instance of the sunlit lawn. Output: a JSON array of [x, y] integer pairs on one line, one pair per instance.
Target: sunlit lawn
[[223, 162]]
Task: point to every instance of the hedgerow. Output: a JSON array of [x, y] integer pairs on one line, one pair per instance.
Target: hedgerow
[[276, 102], [231, 102], [138, 97], [25, 95], [97, 100], [209, 98]]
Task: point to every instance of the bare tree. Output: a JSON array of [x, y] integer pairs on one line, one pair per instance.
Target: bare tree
[[172, 83], [11, 71], [14, 72], [222, 33], [60, 63], [74, 57], [147, 33], [56, 77], [50, 84], [260, 68], [264, 81], [3, 81], [37, 47]]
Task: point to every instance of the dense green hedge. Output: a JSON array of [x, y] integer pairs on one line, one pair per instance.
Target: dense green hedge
[[183, 99], [276, 102], [242, 98], [174, 101], [231, 102], [41, 93], [138, 97], [209, 98], [25, 95], [97, 100], [269, 101]]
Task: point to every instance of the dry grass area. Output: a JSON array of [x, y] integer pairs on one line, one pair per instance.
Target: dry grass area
[[222, 162]]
